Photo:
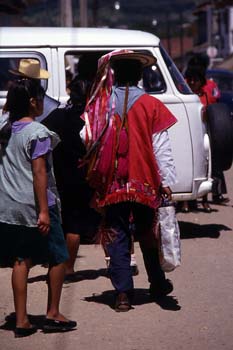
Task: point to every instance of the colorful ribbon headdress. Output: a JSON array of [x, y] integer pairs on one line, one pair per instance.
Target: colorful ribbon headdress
[[98, 107]]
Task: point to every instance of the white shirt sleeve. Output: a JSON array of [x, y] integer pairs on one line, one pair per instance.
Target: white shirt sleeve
[[163, 155]]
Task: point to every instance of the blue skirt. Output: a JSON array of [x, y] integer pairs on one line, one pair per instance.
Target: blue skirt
[[21, 242]]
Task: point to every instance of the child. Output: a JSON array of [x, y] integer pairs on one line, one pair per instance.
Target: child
[[29, 221]]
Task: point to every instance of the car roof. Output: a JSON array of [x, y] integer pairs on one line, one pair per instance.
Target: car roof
[[65, 36]]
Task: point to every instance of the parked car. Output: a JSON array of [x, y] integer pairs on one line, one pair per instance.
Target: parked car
[[60, 51], [224, 79]]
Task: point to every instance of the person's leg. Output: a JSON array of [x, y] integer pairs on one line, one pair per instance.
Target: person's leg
[[219, 188], [185, 207], [151, 260], [55, 321], [145, 219], [19, 286], [73, 243], [118, 249], [133, 262], [106, 257], [58, 255], [55, 281], [205, 204]]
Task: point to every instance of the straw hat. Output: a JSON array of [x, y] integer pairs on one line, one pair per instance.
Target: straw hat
[[146, 59], [30, 68]]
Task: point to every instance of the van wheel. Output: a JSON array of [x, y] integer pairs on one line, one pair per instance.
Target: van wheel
[[220, 127]]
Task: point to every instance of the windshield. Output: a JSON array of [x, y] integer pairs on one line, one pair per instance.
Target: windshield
[[177, 77]]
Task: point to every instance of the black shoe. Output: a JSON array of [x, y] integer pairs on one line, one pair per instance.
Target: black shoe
[[24, 332], [219, 199], [159, 291], [122, 303], [51, 326]]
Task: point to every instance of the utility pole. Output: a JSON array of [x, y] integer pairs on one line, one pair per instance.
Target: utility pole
[[83, 13], [66, 13]]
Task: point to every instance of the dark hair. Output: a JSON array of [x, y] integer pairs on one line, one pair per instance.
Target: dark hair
[[127, 71], [196, 73], [18, 103], [87, 66], [79, 89], [199, 59]]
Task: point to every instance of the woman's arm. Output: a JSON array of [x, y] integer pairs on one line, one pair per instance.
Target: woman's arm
[[40, 186]]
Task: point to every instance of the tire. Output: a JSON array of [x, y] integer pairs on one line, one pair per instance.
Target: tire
[[220, 127]]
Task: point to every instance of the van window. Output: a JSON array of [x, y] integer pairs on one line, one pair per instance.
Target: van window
[[153, 81], [5, 76], [178, 78], [81, 64], [84, 65], [7, 64]]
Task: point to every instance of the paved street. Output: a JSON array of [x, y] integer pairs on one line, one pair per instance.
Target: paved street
[[197, 316]]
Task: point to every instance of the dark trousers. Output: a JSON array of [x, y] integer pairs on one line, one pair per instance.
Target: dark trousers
[[219, 184], [119, 244]]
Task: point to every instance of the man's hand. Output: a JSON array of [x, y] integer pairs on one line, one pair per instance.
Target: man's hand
[[43, 223]]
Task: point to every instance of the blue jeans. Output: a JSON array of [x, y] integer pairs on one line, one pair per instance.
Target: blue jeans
[[118, 247]]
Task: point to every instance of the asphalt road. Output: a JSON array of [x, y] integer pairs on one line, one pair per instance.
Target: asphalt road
[[197, 316]]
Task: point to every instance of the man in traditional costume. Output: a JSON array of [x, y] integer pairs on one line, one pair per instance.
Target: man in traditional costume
[[130, 165]]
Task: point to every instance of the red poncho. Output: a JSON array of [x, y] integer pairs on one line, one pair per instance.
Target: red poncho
[[147, 116]]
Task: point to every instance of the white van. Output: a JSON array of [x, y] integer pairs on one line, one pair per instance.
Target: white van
[[60, 49]]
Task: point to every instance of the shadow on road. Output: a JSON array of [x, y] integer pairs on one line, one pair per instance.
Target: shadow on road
[[76, 277], [9, 325], [141, 297], [192, 230]]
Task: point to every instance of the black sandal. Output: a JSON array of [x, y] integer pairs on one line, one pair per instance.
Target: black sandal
[[24, 332], [51, 326]]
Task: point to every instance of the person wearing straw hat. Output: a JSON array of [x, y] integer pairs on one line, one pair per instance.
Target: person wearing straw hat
[[130, 165], [30, 68]]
